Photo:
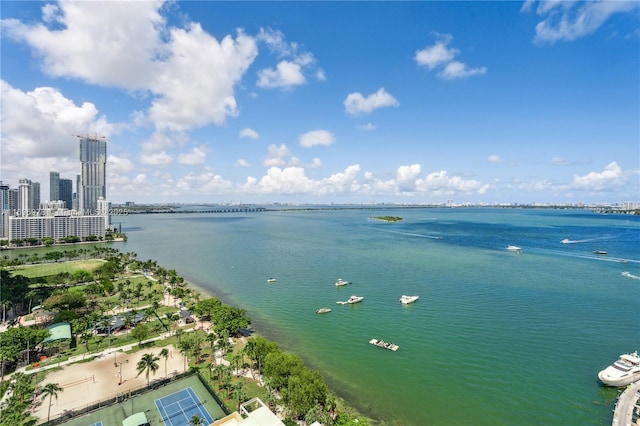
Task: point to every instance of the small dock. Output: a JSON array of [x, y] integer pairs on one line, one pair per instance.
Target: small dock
[[385, 345]]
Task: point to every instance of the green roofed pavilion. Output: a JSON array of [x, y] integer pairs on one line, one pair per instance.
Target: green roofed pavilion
[[138, 419], [59, 331]]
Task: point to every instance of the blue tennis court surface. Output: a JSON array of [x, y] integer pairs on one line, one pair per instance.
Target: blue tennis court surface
[[179, 407], [97, 424]]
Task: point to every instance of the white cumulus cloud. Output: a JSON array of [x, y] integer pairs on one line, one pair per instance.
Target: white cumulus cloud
[[611, 178], [196, 156], [129, 45], [316, 137], [356, 103], [441, 56], [159, 159], [249, 133]]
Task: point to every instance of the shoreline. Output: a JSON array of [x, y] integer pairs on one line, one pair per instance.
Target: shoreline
[[129, 374], [261, 328]]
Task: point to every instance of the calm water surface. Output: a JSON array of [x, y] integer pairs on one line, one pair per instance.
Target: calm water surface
[[497, 338]]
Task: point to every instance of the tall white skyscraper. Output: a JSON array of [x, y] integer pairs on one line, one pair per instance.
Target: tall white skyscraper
[[93, 177], [28, 195]]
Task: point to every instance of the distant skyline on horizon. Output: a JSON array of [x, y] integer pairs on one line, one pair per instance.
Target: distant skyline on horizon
[[327, 102]]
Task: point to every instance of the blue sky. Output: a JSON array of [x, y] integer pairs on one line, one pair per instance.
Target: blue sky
[[328, 102]]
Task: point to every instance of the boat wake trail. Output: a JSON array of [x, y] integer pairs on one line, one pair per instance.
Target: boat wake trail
[[630, 275], [433, 237], [588, 240]]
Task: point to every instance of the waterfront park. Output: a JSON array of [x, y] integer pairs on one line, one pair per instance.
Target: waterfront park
[[84, 327]]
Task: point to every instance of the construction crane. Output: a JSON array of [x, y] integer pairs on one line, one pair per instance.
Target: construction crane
[[95, 137]]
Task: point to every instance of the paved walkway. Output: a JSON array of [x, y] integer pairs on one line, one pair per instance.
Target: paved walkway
[[623, 413]]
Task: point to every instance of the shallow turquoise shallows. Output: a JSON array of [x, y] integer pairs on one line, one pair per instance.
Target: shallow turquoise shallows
[[497, 337]]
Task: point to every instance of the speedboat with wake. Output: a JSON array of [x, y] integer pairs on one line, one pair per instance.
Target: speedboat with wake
[[353, 299], [623, 371]]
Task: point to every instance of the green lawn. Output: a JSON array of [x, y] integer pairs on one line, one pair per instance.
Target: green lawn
[[46, 269]]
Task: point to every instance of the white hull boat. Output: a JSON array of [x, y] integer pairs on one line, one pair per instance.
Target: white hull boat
[[405, 300], [341, 282], [353, 299], [623, 371]]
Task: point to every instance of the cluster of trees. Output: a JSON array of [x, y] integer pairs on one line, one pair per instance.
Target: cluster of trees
[[17, 343], [227, 320], [303, 390], [47, 241]]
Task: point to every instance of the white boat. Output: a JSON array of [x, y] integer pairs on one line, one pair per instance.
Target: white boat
[[623, 371], [405, 300], [566, 241], [323, 310], [341, 282], [514, 248], [355, 299], [386, 345], [601, 252], [271, 280]]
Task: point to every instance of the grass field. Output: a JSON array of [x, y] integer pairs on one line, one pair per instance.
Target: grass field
[[45, 269]]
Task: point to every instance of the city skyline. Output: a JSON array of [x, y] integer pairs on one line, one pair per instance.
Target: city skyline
[[328, 102]]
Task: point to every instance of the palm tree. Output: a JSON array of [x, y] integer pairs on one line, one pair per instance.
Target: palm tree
[[211, 338], [51, 390], [148, 362], [195, 420], [240, 393], [164, 353]]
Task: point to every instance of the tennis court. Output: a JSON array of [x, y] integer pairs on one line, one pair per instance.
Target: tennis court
[[178, 408]]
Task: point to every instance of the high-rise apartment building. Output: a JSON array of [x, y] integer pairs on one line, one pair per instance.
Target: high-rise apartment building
[[66, 192], [4, 196], [93, 177], [54, 186], [34, 201]]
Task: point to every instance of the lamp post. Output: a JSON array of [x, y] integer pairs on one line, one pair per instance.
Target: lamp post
[[119, 364]]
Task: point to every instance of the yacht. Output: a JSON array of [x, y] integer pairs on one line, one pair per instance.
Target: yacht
[[323, 310], [599, 252], [514, 248], [341, 282], [355, 299], [624, 371], [405, 300], [271, 280]]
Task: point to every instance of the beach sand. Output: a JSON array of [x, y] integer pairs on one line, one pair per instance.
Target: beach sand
[[87, 383]]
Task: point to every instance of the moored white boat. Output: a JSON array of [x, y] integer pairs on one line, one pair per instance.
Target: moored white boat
[[514, 248], [355, 299], [271, 280], [323, 310], [341, 282], [386, 345], [625, 370], [405, 300]]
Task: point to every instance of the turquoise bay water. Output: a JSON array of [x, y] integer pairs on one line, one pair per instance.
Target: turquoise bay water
[[497, 338]]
